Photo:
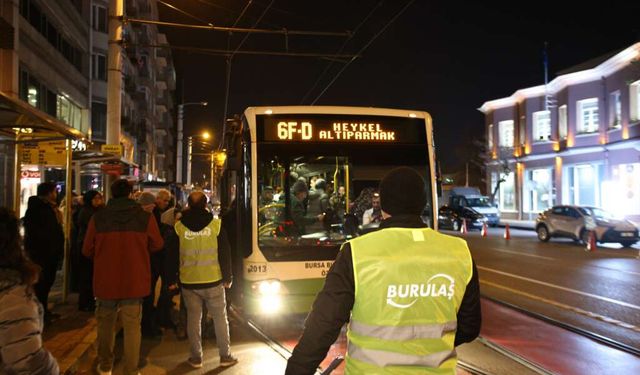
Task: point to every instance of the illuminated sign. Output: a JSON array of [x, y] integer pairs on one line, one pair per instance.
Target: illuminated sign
[[49, 153], [340, 128], [77, 145]]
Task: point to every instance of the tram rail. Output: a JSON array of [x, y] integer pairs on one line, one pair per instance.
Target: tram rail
[[583, 332]]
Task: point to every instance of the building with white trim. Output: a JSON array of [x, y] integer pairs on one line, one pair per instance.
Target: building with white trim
[[575, 140]]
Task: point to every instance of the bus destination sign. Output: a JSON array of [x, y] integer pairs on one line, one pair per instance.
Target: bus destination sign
[[349, 128]]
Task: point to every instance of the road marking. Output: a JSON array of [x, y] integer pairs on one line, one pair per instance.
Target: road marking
[[606, 299], [523, 254], [590, 314]]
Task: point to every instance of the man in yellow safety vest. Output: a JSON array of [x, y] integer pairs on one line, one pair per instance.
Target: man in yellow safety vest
[[409, 293], [201, 249]]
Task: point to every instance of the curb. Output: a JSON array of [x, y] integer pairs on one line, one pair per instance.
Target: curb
[[69, 364]]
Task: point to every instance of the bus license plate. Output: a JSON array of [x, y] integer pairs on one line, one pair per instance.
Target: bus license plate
[[627, 234]]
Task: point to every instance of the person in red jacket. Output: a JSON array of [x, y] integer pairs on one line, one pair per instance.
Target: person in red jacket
[[120, 238]]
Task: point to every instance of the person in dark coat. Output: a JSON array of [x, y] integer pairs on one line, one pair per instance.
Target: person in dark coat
[[21, 320], [93, 202], [403, 198], [44, 240]]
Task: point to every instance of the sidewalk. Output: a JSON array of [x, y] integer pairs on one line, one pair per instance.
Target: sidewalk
[[69, 337]]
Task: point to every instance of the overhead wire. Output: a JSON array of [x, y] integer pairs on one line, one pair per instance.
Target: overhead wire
[[363, 49], [330, 65], [222, 52], [237, 29], [227, 84], [184, 12], [229, 62]]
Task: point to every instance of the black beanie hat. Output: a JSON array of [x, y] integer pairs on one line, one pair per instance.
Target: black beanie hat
[[402, 191]]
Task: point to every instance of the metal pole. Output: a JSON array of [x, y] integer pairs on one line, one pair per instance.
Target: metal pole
[[189, 156], [212, 170], [17, 173], [67, 223], [179, 151], [114, 79]]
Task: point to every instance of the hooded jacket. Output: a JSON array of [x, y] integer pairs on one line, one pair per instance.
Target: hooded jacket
[[21, 329], [332, 307], [195, 220], [120, 238], [43, 235]]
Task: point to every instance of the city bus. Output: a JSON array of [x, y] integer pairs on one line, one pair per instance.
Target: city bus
[[275, 158]]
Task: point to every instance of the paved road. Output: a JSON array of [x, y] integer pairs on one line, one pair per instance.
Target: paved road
[[598, 291]]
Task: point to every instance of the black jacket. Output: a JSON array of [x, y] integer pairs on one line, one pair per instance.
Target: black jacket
[[43, 235], [332, 308], [196, 220]]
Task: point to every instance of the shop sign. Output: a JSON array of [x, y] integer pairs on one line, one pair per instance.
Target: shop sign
[[112, 149], [30, 174], [77, 145], [49, 153], [112, 169]]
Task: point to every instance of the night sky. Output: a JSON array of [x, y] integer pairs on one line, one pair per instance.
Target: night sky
[[444, 57]]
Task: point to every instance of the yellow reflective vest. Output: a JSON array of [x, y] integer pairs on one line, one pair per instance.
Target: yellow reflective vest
[[409, 284], [199, 253]]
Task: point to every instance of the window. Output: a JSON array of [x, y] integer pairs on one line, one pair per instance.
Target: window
[[69, 112], [537, 194], [508, 193], [506, 133], [99, 18], [98, 120], [99, 66], [541, 126], [588, 115], [582, 184], [31, 12], [562, 122], [490, 137], [615, 110], [288, 227], [634, 97]]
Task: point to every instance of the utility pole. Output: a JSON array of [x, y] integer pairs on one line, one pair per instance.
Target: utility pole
[[114, 79], [189, 156], [179, 150]]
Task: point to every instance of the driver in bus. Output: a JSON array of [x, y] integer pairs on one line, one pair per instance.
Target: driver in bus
[[301, 219]]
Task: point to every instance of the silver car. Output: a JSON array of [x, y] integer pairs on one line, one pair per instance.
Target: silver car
[[576, 221]]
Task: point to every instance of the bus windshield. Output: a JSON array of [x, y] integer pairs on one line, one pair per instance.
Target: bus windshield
[[313, 197], [479, 202]]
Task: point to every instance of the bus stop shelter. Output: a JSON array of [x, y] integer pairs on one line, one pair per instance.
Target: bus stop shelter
[[34, 134]]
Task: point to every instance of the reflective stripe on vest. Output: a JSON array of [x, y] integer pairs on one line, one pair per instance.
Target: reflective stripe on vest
[[403, 333], [383, 358], [409, 283], [199, 253]]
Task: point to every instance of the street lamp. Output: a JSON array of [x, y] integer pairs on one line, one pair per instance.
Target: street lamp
[[204, 135], [179, 151]]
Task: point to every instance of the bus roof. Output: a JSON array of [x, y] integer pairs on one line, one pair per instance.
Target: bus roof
[[252, 111]]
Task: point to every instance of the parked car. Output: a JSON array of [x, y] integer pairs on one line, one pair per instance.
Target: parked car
[[450, 218], [576, 221]]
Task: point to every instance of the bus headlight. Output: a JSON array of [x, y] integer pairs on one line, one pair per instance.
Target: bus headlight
[[269, 297]]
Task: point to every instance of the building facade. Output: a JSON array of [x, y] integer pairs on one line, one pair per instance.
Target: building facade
[[44, 61], [575, 140], [147, 120], [53, 56]]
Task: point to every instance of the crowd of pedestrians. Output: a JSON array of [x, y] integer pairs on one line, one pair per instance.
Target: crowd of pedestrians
[[118, 258]]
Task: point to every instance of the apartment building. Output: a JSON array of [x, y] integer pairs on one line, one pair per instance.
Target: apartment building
[[43, 62], [147, 125], [53, 56], [575, 140]]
